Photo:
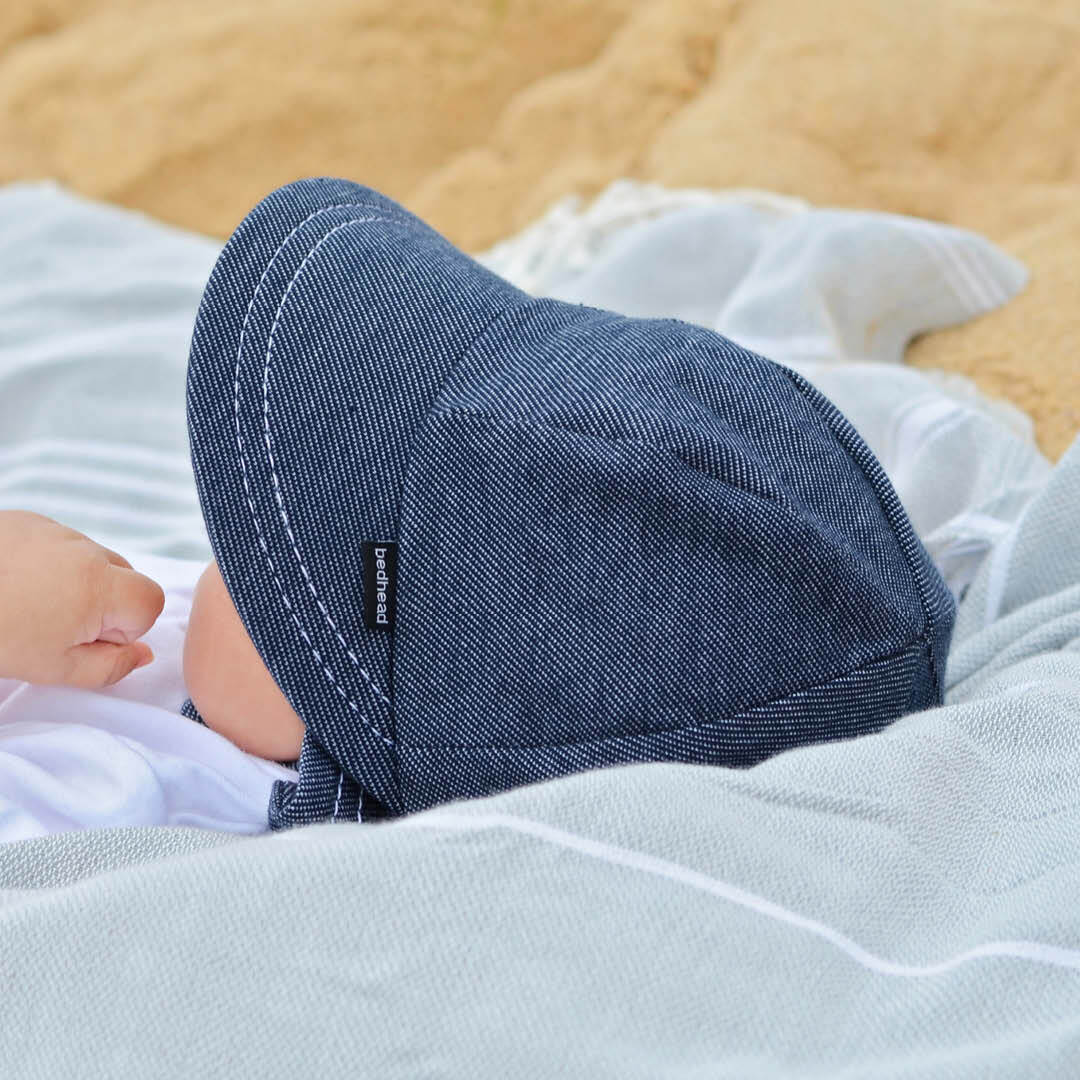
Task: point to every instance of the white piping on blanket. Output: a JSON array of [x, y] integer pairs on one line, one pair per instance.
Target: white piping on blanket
[[635, 860]]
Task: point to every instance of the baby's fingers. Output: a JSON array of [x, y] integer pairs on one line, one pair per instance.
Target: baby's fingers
[[115, 557], [132, 604], [100, 663]]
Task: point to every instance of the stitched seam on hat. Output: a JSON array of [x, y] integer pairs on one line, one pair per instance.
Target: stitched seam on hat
[[504, 313], [618, 440], [930, 632], [273, 465], [337, 798], [247, 489], [374, 207], [783, 502], [730, 718]]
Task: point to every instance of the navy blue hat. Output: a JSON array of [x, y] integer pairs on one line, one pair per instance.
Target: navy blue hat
[[481, 539]]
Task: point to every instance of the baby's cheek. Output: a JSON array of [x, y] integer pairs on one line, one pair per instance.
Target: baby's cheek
[[228, 682]]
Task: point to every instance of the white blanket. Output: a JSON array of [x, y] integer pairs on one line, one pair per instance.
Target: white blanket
[[96, 308]]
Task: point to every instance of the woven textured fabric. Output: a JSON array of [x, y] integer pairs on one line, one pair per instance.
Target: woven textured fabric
[[188, 709], [618, 539]]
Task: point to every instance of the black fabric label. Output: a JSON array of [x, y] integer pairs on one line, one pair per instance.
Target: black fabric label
[[380, 584]]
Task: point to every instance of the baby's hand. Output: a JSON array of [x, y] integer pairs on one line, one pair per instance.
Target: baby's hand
[[70, 610]]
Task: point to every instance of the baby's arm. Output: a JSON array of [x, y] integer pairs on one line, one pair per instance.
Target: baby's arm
[[70, 610]]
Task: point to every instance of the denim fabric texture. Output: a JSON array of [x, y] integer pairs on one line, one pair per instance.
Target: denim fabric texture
[[188, 709], [619, 540]]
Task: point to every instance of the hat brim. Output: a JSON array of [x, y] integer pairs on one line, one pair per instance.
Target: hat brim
[[328, 325]]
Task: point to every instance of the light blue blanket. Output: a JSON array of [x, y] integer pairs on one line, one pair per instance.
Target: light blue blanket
[[899, 905]]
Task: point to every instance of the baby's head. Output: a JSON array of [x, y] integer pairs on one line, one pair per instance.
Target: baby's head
[[229, 683]]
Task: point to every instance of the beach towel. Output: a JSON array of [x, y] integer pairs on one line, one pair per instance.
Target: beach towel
[[901, 904]]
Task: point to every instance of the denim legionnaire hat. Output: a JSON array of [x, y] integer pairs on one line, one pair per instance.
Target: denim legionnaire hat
[[482, 539]]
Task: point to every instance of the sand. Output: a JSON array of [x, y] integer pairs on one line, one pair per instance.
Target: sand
[[478, 115]]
